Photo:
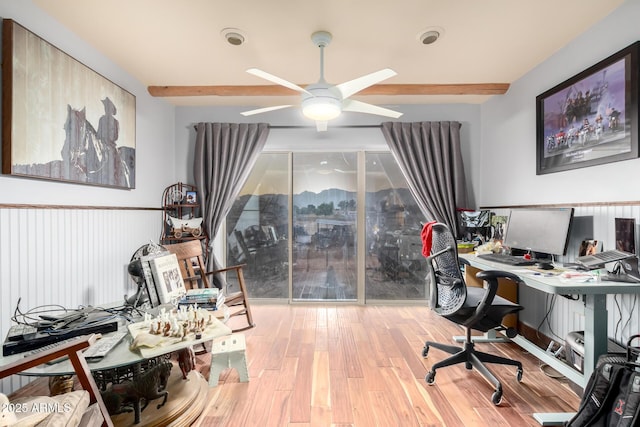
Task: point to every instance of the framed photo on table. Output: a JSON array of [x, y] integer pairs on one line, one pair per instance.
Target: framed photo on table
[[191, 197], [591, 118], [168, 278], [150, 283]]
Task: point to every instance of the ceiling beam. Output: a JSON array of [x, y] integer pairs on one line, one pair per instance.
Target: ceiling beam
[[379, 89]]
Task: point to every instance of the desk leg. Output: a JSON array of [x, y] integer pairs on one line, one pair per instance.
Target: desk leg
[[595, 331], [595, 343]]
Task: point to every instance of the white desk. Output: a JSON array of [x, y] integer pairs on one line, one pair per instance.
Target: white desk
[[594, 297]]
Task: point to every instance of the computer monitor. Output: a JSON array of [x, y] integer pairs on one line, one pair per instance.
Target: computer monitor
[[544, 230], [626, 234]]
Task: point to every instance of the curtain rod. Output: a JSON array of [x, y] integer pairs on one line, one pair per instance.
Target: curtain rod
[[313, 127], [332, 127]]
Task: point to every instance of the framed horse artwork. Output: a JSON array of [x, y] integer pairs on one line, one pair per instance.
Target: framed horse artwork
[[60, 119]]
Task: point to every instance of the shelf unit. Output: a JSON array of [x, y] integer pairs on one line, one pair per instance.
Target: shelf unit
[[180, 201]]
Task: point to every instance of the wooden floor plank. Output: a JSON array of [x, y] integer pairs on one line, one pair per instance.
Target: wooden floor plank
[[340, 399], [302, 387]]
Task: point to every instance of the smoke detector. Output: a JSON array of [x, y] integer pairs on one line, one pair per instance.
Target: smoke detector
[[233, 36], [430, 35]]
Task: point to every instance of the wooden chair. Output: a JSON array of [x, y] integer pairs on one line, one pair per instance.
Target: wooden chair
[[192, 265], [73, 349]]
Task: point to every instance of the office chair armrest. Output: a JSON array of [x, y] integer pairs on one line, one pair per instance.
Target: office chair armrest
[[463, 261], [490, 277]]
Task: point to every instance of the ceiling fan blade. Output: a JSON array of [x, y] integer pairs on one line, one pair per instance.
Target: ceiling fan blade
[[363, 107], [275, 79], [356, 85], [264, 110], [321, 125]]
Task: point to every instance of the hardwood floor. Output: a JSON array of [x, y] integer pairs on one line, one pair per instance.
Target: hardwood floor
[[343, 365], [346, 365]]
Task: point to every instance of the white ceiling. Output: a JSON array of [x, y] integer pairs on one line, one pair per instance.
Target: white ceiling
[[179, 42]]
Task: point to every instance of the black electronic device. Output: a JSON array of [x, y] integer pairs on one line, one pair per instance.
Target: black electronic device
[[21, 331], [543, 230], [625, 229], [91, 324], [544, 265]]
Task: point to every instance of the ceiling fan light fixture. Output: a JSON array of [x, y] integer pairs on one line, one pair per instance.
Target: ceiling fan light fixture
[[321, 109]]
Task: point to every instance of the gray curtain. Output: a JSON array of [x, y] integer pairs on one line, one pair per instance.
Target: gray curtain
[[429, 156], [224, 156]]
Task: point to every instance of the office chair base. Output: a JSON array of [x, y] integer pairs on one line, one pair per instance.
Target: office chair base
[[471, 359]]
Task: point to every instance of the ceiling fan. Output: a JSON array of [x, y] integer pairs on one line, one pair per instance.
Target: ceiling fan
[[322, 101]]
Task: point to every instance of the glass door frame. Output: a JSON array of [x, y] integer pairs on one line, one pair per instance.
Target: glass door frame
[[220, 244]]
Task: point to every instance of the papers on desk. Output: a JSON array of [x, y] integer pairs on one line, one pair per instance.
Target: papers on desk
[[565, 276], [541, 273], [580, 276]]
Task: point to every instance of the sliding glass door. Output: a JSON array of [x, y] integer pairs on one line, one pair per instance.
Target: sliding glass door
[[304, 236], [258, 228], [395, 267], [324, 226]]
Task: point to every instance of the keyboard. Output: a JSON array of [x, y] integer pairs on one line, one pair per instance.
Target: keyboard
[[515, 260], [103, 346], [600, 258]]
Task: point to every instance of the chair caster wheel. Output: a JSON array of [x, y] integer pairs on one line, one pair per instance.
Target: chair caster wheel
[[519, 375], [496, 398], [425, 351], [431, 377], [511, 332]]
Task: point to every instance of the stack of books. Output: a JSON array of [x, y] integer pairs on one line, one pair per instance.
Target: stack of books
[[205, 298]]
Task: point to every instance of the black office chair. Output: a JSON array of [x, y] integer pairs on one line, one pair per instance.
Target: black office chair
[[474, 308]]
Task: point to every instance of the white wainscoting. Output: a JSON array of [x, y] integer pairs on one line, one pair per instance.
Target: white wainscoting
[[71, 257]]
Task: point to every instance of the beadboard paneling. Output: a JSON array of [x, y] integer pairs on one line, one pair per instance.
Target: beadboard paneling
[[72, 257]]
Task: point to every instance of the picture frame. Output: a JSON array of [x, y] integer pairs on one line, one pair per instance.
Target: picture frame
[[168, 278], [191, 197], [591, 118], [61, 120], [150, 284]]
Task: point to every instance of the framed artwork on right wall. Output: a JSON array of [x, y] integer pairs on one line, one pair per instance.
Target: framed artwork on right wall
[[591, 118]]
